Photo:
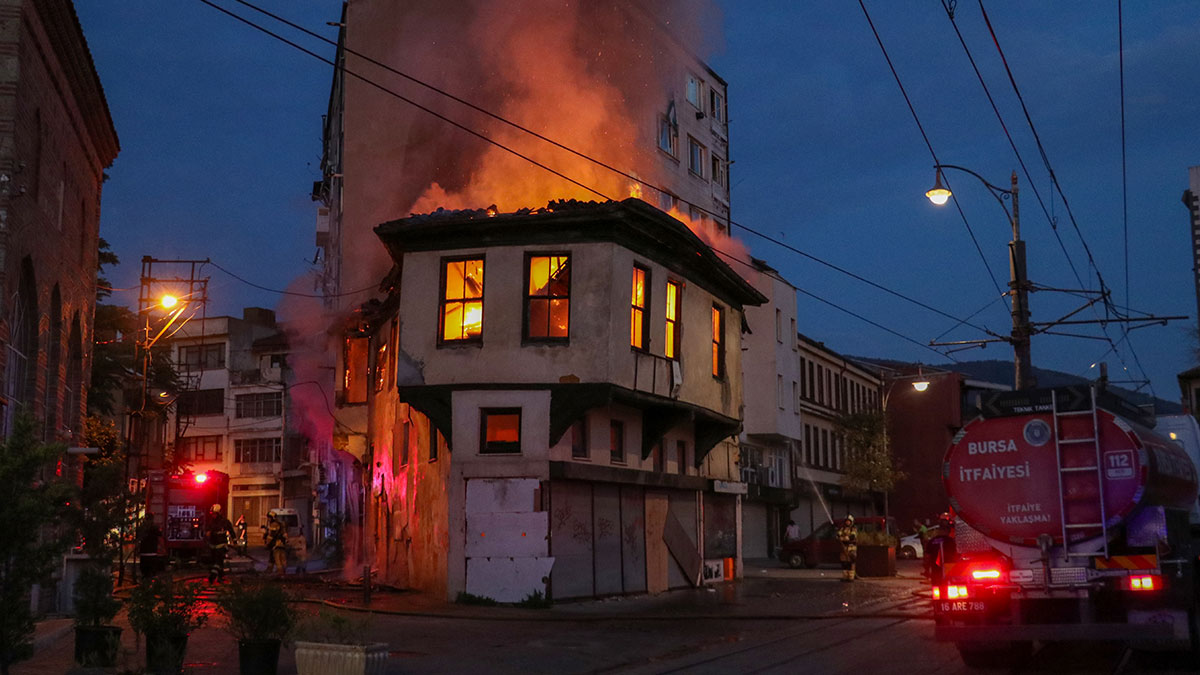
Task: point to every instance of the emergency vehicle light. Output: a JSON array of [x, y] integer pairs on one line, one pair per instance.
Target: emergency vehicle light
[[201, 477], [937, 592], [956, 592], [979, 575], [1142, 583]]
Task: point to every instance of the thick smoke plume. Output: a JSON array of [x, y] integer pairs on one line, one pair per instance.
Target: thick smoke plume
[[593, 76]]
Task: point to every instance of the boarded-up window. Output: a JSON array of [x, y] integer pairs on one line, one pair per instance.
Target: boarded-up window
[[500, 430], [354, 377]]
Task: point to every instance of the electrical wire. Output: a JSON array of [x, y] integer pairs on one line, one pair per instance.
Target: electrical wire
[[925, 136], [1058, 187], [557, 173], [295, 293]]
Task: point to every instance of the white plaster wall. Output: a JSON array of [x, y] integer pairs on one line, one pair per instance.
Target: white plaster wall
[[467, 463], [599, 349], [772, 352]]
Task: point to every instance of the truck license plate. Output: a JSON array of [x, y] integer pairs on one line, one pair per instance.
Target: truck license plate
[[963, 606]]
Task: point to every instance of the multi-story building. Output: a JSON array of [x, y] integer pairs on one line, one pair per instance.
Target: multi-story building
[[232, 415], [56, 139], [662, 124], [570, 416], [772, 432], [830, 386]]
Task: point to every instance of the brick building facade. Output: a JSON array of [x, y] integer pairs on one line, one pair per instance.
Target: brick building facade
[[56, 139]]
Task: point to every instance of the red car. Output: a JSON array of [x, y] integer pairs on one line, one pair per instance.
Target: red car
[[822, 546]]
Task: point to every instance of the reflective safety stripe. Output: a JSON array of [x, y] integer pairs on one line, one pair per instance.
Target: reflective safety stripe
[[1128, 562]]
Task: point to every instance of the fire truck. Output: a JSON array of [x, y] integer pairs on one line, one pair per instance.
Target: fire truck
[[180, 503], [1076, 521]]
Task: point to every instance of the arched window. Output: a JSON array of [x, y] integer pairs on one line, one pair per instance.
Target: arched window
[[73, 391], [20, 376], [54, 365]]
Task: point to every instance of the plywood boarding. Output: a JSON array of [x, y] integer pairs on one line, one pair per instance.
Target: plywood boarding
[[507, 534], [507, 579], [658, 560], [633, 538], [606, 537], [571, 539], [683, 508], [501, 495]]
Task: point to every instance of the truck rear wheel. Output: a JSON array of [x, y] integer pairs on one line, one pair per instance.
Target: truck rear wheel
[[992, 655], [795, 560]]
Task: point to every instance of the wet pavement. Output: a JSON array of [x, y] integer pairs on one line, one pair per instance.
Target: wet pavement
[[427, 634]]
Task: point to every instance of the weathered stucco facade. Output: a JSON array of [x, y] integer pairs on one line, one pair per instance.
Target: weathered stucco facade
[[575, 463]]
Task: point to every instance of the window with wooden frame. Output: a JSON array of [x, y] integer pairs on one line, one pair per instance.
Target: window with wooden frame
[[718, 342], [547, 297], [671, 349], [616, 441], [381, 359], [199, 448], [354, 369], [579, 441], [460, 308], [499, 431], [639, 330], [202, 357]]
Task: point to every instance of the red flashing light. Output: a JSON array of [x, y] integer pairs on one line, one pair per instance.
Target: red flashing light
[[1142, 583], [201, 477], [984, 574]]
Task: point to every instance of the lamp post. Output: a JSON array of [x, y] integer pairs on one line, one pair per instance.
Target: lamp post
[[920, 384], [1018, 283]]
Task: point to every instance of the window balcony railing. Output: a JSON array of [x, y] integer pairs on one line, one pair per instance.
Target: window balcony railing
[[256, 468], [656, 374]]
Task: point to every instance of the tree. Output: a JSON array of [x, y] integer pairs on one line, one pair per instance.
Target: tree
[[870, 466], [32, 502]]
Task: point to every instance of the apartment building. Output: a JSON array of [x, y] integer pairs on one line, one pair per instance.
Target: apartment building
[[564, 424]]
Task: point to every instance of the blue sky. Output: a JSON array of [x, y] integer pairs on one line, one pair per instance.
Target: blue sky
[[220, 132]]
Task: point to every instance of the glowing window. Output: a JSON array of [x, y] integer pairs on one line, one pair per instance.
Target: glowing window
[[672, 342], [548, 297], [639, 330], [499, 431], [461, 315], [718, 342]]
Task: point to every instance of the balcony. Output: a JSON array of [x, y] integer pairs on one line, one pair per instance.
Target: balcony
[[256, 468], [654, 374], [242, 377]]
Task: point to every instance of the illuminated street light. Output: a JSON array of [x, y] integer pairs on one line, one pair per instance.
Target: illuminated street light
[[921, 385], [938, 194], [168, 301]]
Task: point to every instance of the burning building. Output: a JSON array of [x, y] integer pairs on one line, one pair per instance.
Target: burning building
[[554, 397], [526, 103]]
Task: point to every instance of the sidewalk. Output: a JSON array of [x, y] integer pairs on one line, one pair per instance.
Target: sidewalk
[[767, 592]]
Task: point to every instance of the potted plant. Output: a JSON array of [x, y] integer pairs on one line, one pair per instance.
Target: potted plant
[[876, 554], [261, 617], [96, 641], [334, 645], [165, 611]]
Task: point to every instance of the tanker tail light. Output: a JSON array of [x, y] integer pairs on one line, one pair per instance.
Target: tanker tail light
[[201, 477], [937, 592], [990, 574], [1145, 582]]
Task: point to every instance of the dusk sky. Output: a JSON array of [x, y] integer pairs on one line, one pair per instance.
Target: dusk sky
[[220, 129]]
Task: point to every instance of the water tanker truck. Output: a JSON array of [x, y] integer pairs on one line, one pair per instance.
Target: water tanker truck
[[1074, 521]]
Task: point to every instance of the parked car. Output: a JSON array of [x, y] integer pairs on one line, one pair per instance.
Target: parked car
[[822, 546], [910, 547]]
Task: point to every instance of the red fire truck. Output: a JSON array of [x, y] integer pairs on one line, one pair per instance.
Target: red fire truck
[[1072, 524], [180, 503]]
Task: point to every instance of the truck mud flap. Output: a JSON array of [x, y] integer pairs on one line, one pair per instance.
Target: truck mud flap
[[1118, 632]]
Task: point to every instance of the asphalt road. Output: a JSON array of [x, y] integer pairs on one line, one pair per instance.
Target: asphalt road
[[776, 620]]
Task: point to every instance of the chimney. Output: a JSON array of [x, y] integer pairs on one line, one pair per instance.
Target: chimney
[[258, 315]]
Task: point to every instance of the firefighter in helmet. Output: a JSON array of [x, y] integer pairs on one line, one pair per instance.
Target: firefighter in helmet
[[848, 538], [220, 534]]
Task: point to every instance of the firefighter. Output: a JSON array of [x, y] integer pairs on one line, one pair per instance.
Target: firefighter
[[276, 545], [242, 539], [220, 533], [848, 538]]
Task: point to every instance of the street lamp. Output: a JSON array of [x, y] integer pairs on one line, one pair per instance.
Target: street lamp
[[1018, 283]]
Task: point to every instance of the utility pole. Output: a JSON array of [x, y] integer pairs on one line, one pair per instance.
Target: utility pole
[[1019, 283]]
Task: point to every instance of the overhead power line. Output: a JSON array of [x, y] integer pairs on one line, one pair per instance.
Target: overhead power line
[[557, 144]]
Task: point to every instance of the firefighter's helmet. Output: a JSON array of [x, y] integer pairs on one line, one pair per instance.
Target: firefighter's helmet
[[216, 508], [849, 518]]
